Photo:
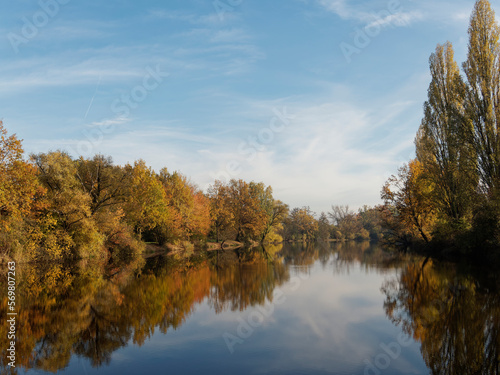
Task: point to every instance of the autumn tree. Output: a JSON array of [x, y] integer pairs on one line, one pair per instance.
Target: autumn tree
[[245, 211], [146, 206], [274, 211], [409, 194], [448, 161], [274, 223], [220, 212], [249, 216], [346, 221], [189, 207], [371, 221], [18, 189], [324, 227], [237, 210], [301, 224], [65, 227], [482, 69], [108, 185], [104, 182]]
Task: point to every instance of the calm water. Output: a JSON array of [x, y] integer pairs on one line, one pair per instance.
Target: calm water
[[338, 308]]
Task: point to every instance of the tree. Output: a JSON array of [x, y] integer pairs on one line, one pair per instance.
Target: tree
[[448, 161], [339, 214], [409, 194], [371, 221], [324, 227], [482, 69], [275, 220], [19, 192], [274, 211], [301, 224], [249, 216], [237, 209], [146, 207], [65, 227], [220, 211], [346, 221], [189, 207], [104, 182]]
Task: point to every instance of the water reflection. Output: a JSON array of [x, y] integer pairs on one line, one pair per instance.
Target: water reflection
[[455, 317], [92, 310]]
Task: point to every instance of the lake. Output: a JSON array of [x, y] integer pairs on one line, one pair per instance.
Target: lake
[[329, 308]]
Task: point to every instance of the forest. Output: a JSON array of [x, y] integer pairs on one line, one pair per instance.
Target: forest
[[448, 196], [54, 207]]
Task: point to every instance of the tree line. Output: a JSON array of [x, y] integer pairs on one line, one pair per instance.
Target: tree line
[[449, 194], [55, 207]]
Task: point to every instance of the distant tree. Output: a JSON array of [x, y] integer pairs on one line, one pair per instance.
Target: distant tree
[[189, 208], [339, 214], [146, 208], [301, 224], [221, 212], [249, 216], [324, 227], [274, 211], [346, 221], [371, 221]]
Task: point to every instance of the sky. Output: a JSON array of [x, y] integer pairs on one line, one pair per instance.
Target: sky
[[320, 99]]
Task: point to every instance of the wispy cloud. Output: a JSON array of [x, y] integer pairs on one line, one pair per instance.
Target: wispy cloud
[[339, 7], [113, 121], [400, 19], [211, 19], [373, 13]]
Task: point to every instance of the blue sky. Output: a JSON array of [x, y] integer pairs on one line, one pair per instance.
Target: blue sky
[[286, 92]]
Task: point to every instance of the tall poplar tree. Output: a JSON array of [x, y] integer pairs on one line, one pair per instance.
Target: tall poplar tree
[[448, 162], [482, 70]]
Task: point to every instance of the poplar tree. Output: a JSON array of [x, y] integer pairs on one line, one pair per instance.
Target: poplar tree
[[448, 162], [482, 96]]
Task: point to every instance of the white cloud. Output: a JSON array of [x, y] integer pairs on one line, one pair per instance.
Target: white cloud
[[114, 121], [338, 7], [210, 19], [402, 19]]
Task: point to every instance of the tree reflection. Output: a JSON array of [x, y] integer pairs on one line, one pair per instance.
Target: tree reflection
[[248, 279], [456, 320], [91, 310]]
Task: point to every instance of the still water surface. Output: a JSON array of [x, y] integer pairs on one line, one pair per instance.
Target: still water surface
[[315, 309]]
